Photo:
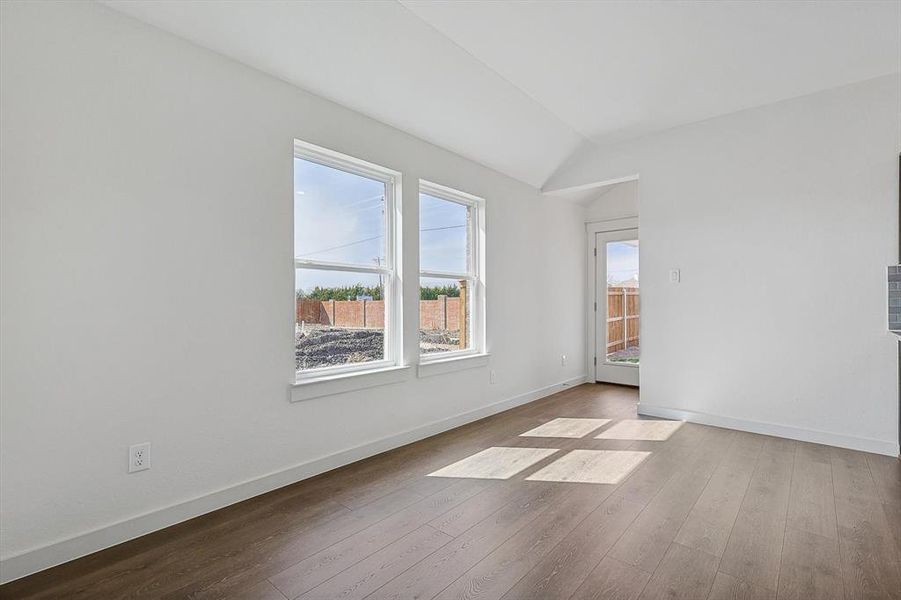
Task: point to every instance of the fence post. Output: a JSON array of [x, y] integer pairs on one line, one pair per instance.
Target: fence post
[[625, 319], [442, 311], [364, 313], [334, 324], [463, 321]]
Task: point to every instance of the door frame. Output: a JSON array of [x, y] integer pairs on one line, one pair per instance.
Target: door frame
[[591, 230]]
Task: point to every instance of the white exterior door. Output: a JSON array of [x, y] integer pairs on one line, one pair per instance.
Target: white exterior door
[[617, 307]]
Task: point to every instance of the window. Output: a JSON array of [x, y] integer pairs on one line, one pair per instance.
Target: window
[[346, 285], [451, 262]]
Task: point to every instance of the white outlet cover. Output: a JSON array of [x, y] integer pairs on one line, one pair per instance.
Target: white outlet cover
[[674, 275], [139, 457]]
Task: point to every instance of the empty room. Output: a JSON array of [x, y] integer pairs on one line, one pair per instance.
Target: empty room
[[436, 299]]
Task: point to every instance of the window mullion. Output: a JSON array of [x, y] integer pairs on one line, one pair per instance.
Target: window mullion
[[445, 275], [352, 268]]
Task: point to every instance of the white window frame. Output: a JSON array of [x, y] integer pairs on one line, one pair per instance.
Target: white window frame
[[475, 270], [393, 331]]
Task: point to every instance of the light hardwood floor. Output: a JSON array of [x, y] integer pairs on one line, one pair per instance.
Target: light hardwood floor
[[703, 513]]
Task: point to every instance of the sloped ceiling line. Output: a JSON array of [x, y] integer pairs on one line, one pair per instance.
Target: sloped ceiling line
[[525, 88]]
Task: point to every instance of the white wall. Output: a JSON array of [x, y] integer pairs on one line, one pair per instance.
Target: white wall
[[782, 220], [147, 281], [614, 202]]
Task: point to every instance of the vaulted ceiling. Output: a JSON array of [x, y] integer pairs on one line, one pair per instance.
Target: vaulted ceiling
[[521, 86]]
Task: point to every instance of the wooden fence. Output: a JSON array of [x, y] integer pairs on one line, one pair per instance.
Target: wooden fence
[[622, 318]]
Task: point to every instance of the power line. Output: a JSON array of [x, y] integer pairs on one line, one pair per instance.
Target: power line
[[342, 246], [442, 228], [375, 238]]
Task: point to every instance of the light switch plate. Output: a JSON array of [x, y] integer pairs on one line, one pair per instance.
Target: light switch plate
[[674, 276]]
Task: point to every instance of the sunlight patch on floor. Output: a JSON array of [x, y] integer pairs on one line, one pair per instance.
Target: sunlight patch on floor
[[632, 429], [495, 463], [564, 427], [591, 466]]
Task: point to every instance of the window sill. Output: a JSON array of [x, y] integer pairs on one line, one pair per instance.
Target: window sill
[[329, 385], [449, 365]]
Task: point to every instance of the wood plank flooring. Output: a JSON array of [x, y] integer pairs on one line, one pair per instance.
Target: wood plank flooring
[[687, 511]]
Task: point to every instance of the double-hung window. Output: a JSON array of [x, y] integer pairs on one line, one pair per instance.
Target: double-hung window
[[451, 277], [347, 296]]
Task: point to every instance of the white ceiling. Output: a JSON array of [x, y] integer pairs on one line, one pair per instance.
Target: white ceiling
[[519, 86], [614, 70]]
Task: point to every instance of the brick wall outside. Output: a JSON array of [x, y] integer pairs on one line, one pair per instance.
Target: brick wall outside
[[375, 314], [350, 313], [308, 311], [443, 313]]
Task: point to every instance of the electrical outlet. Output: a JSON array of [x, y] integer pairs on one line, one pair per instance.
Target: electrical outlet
[[492, 376], [139, 457], [674, 276], [562, 360]]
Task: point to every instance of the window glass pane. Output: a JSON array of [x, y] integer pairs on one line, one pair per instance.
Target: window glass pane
[[623, 344], [340, 318], [338, 216], [445, 315], [443, 235]]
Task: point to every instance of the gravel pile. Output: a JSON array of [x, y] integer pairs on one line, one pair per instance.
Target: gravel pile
[[320, 346], [327, 346], [439, 340]]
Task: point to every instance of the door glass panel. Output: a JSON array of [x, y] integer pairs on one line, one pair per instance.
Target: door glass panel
[[623, 343]]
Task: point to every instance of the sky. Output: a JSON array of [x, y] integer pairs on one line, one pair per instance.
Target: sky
[[622, 261], [339, 217]]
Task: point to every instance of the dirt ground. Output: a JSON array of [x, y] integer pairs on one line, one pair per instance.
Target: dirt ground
[[629, 355], [324, 346], [439, 340]]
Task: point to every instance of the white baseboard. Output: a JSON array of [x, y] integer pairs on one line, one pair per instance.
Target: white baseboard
[[785, 431], [38, 559]]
